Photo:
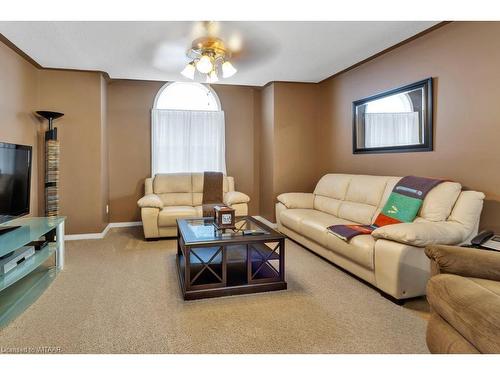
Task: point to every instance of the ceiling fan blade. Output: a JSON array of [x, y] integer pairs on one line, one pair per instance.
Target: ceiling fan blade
[[170, 57]]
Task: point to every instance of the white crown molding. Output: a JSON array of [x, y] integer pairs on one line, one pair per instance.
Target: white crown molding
[[99, 236]]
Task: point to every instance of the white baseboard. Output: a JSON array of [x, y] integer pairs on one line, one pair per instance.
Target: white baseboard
[[125, 224], [267, 222], [98, 236]]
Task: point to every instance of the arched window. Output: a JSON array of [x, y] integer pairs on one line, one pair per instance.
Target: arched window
[[390, 104], [190, 96], [391, 121], [187, 129]]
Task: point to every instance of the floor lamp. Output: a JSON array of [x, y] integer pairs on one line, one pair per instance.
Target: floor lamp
[[51, 164]]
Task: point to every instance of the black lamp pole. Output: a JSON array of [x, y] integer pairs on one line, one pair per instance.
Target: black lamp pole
[[50, 134]]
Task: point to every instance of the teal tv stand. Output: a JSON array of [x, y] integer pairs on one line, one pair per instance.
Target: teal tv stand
[[20, 287]]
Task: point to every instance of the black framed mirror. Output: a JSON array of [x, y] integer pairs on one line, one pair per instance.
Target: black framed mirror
[[398, 120]]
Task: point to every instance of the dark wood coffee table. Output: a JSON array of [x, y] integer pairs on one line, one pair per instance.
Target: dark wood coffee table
[[213, 263]]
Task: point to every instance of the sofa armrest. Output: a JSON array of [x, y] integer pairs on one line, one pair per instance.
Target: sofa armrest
[[401, 270], [149, 216], [422, 234], [297, 200], [234, 197], [151, 201], [464, 261]]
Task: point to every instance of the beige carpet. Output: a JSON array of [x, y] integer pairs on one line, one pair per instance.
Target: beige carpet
[[121, 295]]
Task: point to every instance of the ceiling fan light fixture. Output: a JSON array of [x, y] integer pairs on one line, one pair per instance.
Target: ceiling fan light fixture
[[210, 56], [189, 70], [228, 70], [204, 64], [212, 77]]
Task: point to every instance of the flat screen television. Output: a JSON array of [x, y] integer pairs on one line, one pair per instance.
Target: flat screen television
[[15, 180]]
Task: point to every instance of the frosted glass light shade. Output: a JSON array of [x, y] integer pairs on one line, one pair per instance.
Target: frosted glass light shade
[[204, 64], [228, 69], [188, 71], [212, 77]]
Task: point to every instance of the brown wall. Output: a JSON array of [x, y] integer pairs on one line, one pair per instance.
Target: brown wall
[[282, 137], [266, 159], [104, 151], [129, 131], [289, 142], [83, 192], [464, 61], [129, 134], [296, 137], [18, 93]]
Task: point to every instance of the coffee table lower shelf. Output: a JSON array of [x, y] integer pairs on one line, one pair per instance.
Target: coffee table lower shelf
[[229, 290]]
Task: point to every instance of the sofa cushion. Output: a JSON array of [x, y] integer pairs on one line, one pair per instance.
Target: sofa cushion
[[366, 189], [172, 183], [362, 198], [439, 202], [333, 185], [169, 215], [359, 249], [177, 199], [315, 226], [292, 218], [312, 224], [326, 204], [467, 209], [473, 309], [358, 212]]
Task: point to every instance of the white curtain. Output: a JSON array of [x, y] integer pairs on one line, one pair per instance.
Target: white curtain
[[188, 141], [391, 129]]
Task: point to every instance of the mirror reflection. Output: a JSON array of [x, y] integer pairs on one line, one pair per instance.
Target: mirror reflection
[[395, 121]]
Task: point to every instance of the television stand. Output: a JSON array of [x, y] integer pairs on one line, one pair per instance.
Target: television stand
[[21, 286], [5, 228]]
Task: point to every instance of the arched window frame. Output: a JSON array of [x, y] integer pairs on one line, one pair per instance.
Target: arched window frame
[[407, 104], [217, 111], [166, 85]]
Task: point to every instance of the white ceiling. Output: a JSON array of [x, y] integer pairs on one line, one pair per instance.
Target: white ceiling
[[268, 51]]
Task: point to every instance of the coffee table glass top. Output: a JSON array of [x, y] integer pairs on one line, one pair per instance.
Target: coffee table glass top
[[197, 230]]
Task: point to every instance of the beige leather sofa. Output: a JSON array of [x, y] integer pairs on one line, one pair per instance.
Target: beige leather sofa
[[169, 197], [392, 258]]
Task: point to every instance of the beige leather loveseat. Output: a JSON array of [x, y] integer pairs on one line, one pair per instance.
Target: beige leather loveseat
[[180, 195], [392, 258]]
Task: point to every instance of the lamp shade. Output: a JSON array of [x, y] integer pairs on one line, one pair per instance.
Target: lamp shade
[[204, 64], [188, 71], [212, 77], [228, 69]]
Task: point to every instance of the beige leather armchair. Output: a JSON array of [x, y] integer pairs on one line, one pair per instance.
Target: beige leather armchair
[[464, 295], [169, 197]]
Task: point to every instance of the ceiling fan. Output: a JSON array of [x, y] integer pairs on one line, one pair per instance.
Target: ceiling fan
[[210, 50], [209, 56]]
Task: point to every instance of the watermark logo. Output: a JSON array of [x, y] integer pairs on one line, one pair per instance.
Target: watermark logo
[[31, 350]]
